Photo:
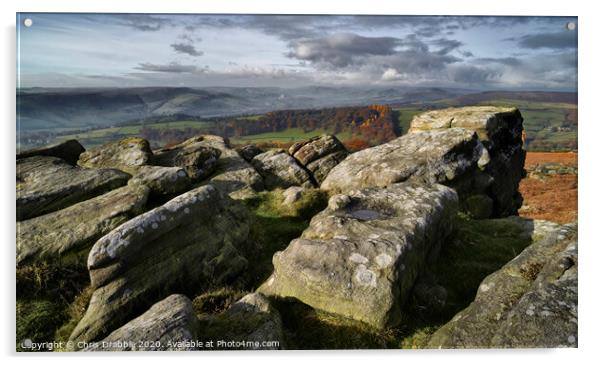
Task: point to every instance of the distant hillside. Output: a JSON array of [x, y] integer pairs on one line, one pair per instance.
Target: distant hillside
[[533, 96], [52, 109]]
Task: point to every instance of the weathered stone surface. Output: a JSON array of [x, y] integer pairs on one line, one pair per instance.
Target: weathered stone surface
[[529, 302], [433, 157], [321, 167], [360, 257], [233, 175], [46, 184], [125, 154], [316, 148], [169, 325], [292, 194], [162, 180], [68, 151], [251, 320], [500, 129], [479, 206], [192, 240], [280, 170], [249, 151], [74, 230], [199, 160], [319, 155]]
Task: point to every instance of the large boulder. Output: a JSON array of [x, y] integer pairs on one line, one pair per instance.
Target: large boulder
[[46, 184], [161, 180], [500, 129], [233, 175], [280, 170], [70, 232], [198, 160], [446, 156], [68, 151], [319, 155], [360, 256], [169, 325], [252, 323], [188, 243], [530, 302], [126, 154], [249, 151]]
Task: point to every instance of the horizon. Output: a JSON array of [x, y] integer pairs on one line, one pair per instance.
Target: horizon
[[489, 53]]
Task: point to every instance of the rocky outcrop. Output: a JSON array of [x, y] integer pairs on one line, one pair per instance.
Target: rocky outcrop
[[500, 129], [249, 151], [46, 184], [68, 151], [169, 325], [280, 170], [251, 321], [72, 231], [529, 302], [360, 257], [233, 175], [192, 240], [125, 154], [446, 156], [198, 160], [319, 155], [162, 180]]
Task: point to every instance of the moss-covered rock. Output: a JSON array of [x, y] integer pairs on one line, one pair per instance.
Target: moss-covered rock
[[70, 232], [319, 155], [193, 155], [162, 181], [169, 325], [280, 170], [252, 323], [360, 257], [530, 302], [46, 184], [125, 154], [185, 245]]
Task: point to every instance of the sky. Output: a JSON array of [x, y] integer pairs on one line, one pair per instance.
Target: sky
[[134, 50]]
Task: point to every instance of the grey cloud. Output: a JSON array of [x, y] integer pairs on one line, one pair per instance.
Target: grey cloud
[[508, 61], [144, 22], [446, 45], [560, 40], [185, 48], [173, 67], [342, 49], [468, 74]]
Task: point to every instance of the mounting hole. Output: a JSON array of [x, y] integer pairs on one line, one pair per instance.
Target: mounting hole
[[28, 22], [571, 26]]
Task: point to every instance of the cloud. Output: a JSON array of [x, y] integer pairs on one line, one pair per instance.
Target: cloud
[[342, 49], [508, 61], [144, 22], [560, 40], [471, 75], [185, 48], [446, 45], [173, 67]]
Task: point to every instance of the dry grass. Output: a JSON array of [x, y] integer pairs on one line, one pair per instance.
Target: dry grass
[[553, 198]]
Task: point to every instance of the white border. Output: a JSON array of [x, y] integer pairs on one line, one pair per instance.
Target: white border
[[589, 158]]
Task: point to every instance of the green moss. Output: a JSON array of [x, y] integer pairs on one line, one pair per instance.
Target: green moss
[[74, 313], [37, 320]]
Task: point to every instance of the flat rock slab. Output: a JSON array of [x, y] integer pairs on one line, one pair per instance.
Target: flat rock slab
[[46, 184], [252, 321], [75, 229], [360, 257], [68, 151], [162, 180], [530, 302], [169, 325], [190, 242], [434, 157], [233, 175], [198, 160], [280, 170], [125, 154]]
